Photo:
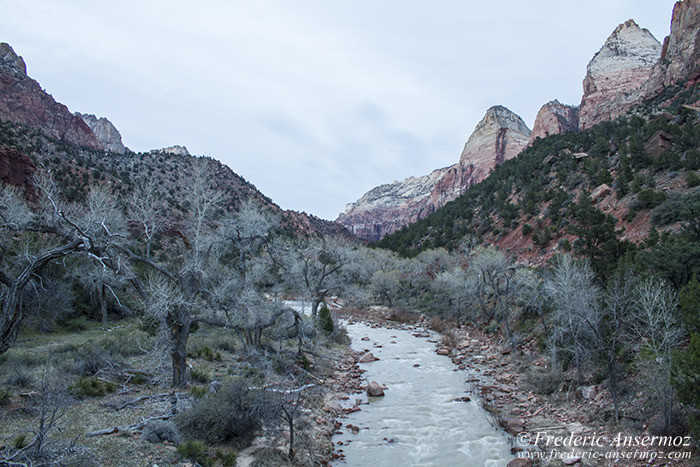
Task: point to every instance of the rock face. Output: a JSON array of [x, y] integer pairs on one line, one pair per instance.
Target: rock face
[[389, 207], [23, 101], [499, 136], [554, 118], [617, 73], [680, 56], [105, 132], [16, 168], [177, 150]]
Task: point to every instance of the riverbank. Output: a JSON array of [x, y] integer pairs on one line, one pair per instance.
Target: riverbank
[[512, 384]]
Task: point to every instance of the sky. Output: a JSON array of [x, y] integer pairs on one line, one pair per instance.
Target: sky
[[315, 102]]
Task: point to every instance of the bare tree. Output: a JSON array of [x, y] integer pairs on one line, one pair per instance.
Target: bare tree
[[178, 288], [576, 313], [659, 332], [34, 238]]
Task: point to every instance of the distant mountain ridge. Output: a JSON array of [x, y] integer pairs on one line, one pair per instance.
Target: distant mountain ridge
[[632, 65], [499, 136]]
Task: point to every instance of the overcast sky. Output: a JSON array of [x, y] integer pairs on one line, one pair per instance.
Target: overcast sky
[[314, 101]]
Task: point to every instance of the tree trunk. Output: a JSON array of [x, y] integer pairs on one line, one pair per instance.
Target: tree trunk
[[103, 304], [291, 437], [179, 335], [11, 316]]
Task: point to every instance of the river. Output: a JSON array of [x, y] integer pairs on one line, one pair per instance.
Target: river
[[417, 422]]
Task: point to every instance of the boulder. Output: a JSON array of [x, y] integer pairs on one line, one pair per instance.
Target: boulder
[[374, 389], [367, 357], [520, 462]]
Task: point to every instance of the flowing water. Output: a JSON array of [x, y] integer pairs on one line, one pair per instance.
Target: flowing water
[[417, 422]]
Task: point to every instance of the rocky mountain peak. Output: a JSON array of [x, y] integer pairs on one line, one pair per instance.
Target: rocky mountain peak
[[499, 136], [105, 132], [628, 46], [554, 118], [616, 74], [10, 61], [23, 101]]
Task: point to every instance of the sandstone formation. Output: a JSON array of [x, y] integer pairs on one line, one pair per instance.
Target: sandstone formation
[[105, 132], [616, 74], [177, 150], [16, 168], [23, 101], [499, 136], [554, 118], [680, 56]]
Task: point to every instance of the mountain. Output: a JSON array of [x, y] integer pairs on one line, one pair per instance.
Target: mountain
[[625, 187], [680, 55], [23, 101], [37, 133], [616, 74], [499, 136], [105, 132], [554, 118]]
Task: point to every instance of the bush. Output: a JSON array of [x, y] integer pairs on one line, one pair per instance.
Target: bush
[[91, 387], [233, 413], [90, 359], [648, 199], [544, 382], [226, 458], [4, 397], [325, 321], [157, 431], [198, 391], [692, 180], [527, 229], [200, 375], [77, 324], [196, 451]]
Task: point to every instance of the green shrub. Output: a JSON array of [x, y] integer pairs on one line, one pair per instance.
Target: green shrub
[[692, 180], [91, 387], [20, 441], [198, 391], [4, 397], [200, 375], [196, 451], [527, 229], [77, 324], [226, 458], [648, 199], [234, 413], [325, 320]]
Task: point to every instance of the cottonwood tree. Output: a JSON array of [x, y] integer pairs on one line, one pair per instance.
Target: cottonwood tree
[[659, 332], [495, 283], [575, 311], [619, 302], [33, 238], [178, 288], [315, 266]]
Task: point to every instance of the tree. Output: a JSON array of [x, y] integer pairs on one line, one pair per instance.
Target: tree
[[178, 288], [315, 267], [575, 313], [53, 230], [659, 332]]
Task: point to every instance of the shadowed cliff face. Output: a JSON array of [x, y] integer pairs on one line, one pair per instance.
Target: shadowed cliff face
[[16, 168], [499, 136], [680, 56], [23, 101], [617, 73]]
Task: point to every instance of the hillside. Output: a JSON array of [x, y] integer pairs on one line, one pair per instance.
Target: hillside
[[602, 192], [38, 133]]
